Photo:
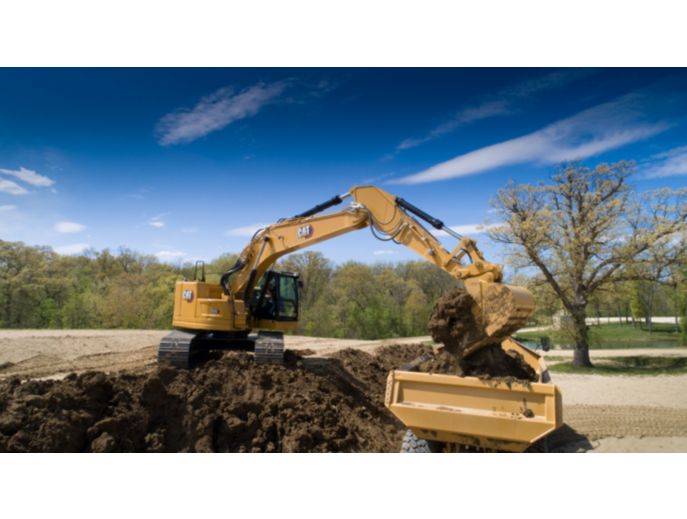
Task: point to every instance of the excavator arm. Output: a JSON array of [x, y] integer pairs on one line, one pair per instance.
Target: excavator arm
[[372, 207], [497, 309]]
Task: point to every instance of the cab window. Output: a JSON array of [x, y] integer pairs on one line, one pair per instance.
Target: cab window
[[288, 298]]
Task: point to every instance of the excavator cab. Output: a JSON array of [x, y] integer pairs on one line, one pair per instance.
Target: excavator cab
[[275, 297]]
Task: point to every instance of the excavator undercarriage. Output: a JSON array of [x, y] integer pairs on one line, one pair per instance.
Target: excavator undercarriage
[[180, 348]]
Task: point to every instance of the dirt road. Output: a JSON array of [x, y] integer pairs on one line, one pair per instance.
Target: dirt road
[[56, 353], [616, 413]]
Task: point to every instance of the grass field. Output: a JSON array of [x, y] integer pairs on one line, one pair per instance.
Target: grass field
[[636, 365], [615, 336]]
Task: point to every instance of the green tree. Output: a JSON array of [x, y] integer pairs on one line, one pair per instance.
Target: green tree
[[583, 231], [315, 274]]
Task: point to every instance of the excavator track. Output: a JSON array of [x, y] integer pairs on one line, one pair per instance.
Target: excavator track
[[269, 348], [176, 349]]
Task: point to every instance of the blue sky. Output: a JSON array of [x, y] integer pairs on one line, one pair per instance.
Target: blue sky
[[185, 163]]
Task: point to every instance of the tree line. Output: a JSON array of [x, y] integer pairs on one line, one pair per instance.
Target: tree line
[[42, 289]]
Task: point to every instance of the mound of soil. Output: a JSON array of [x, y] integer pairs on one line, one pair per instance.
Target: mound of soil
[[229, 404]]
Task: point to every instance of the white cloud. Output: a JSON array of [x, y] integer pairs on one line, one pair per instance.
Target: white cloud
[[466, 116], [7, 207], [472, 228], [170, 255], [469, 229], [384, 252], [156, 221], [548, 81], [498, 104], [7, 186], [189, 230], [248, 230], [668, 164], [214, 112], [29, 176], [69, 227], [587, 133], [75, 248], [139, 194]]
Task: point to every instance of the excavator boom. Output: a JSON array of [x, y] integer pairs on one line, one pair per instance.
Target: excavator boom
[[237, 304], [370, 207], [498, 309]]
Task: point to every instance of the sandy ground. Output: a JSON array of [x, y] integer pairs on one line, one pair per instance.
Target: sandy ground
[[617, 413]]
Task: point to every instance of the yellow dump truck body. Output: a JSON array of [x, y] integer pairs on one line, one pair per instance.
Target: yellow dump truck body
[[491, 414]]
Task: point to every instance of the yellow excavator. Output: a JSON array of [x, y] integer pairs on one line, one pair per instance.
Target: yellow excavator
[[252, 297]]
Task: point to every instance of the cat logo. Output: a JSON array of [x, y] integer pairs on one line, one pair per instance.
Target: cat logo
[[188, 295], [305, 231]]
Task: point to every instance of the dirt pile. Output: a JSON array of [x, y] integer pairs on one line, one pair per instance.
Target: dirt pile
[[229, 404]]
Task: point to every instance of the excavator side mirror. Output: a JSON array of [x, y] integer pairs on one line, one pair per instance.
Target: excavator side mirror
[[545, 342]]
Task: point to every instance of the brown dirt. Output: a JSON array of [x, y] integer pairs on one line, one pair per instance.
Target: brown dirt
[[453, 322], [599, 421], [229, 404], [620, 414], [457, 324], [489, 362], [461, 324]]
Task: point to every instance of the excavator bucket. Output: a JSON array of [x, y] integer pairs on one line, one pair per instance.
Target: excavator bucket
[[501, 309], [482, 313]]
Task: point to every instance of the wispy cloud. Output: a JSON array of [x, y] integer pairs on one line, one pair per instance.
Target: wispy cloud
[[215, 112], [466, 116], [468, 229], [7, 207], [7, 186], [139, 194], [667, 164], [384, 252], [74, 248], [248, 230], [189, 230], [535, 85], [590, 132], [156, 221], [170, 256], [69, 227], [500, 103], [473, 228], [28, 176]]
